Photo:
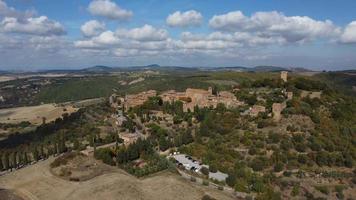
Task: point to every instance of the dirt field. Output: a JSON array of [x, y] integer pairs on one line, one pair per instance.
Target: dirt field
[[34, 114], [6, 78], [79, 167], [37, 183], [8, 195]]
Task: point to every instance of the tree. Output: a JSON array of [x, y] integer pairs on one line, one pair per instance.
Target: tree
[[76, 144], [213, 168], [259, 163], [6, 161], [187, 137], [321, 158], [231, 180], [35, 154], [163, 143], [1, 165], [204, 171], [278, 167]]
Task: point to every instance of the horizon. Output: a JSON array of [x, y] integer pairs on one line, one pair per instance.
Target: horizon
[[36, 35], [287, 68]]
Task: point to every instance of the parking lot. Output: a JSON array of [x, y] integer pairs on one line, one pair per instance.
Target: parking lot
[[193, 165], [188, 163]]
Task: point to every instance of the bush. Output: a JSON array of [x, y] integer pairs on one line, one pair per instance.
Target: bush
[[287, 173], [339, 191], [231, 180], [295, 190], [205, 182], [207, 197], [278, 167], [204, 171], [258, 163], [213, 169], [106, 155], [322, 189]]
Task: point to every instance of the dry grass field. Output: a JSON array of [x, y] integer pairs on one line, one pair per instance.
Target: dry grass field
[[34, 114], [6, 78], [36, 182]]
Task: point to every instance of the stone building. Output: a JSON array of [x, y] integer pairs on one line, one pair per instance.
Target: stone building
[[284, 76], [277, 108], [202, 98], [133, 100], [256, 109]]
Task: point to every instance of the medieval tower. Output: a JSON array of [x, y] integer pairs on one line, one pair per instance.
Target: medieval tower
[[284, 76]]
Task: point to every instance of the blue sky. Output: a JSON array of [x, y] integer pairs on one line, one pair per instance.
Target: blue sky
[[49, 34]]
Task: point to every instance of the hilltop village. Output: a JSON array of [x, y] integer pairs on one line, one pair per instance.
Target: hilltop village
[[267, 138], [201, 98]]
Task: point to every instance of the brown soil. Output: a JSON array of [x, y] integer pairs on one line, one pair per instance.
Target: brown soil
[[79, 167], [34, 114], [8, 195], [36, 182]]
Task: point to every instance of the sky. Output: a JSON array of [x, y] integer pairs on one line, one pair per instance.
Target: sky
[[72, 34]]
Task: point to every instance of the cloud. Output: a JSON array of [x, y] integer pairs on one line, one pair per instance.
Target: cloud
[[34, 25], [293, 29], [108, 9], [144, 33], [185, 19], [228, 40], [106, 39], [349, 33], [7, 11], [92, 28]]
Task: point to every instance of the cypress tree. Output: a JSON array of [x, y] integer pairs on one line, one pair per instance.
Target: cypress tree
[[1, 165], [6, 161]]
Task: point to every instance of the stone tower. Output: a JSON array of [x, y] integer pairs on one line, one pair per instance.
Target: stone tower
[[210, 90], [284, 76]]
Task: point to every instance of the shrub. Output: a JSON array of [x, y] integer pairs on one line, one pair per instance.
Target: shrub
[[205, 182], [213, 168], [322, 189], [231, 180], [278, 167], [207, 197], [204, 171], [287, 173], [295, 190]]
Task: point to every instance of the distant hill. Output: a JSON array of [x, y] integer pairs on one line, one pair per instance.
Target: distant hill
[[236, 68], [102, 69], [341, 80], [268, 69], [3, 72], [98, 68]]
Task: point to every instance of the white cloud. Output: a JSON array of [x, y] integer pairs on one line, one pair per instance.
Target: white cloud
[[185, 19], [349, 33], [106, 39], [35, 26], [108, 9], [92, 28], [230, 40], [7, 11], [145, 33], [293, 29]]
